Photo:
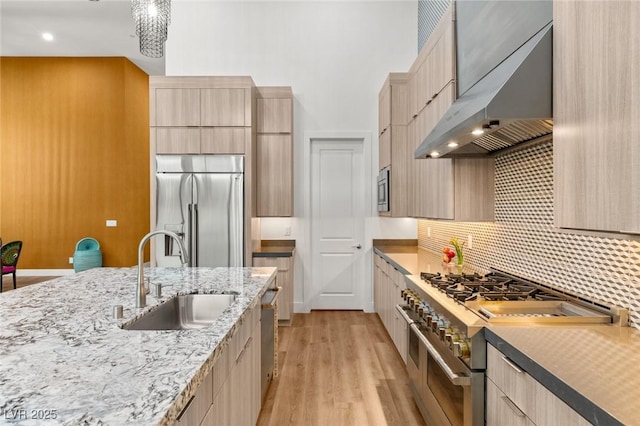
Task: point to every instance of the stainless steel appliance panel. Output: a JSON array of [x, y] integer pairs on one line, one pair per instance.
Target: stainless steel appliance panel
[[173, 200], [384, 188], [217, 218], [488, 31], [201, 198]]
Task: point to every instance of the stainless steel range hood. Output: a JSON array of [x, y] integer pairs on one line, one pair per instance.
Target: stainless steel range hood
[[510, 105]]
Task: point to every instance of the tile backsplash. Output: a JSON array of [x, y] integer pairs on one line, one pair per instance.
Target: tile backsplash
[[523, 240]]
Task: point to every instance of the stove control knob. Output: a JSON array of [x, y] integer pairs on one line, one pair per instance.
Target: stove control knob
[[444, 331], [461, 349], [402, 294], [435, 323]]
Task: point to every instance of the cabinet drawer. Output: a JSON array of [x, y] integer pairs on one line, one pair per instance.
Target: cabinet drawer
[[198, 406], [501, 410], [510, 379]]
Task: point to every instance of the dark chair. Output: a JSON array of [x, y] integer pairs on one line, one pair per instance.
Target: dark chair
[[9, 254]]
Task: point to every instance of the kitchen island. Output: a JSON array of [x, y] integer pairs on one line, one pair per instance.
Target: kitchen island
[[64, 359]]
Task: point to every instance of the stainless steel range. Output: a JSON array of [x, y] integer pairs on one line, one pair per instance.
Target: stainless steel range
[[447, 349]]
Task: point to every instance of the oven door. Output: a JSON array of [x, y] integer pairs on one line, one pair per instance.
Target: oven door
[[449, 395], [383, 190]]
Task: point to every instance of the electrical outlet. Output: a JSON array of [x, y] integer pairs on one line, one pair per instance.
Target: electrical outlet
[[111, 223], [287, 231], [429, 231], [71, 260], [470, 241]]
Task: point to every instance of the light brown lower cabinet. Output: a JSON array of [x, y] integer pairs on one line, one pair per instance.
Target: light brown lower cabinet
[[515, 398], [284, 279], [388, 282], [230, 395]]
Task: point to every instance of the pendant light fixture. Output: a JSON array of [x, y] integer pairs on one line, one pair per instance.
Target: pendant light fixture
[[152, 19]]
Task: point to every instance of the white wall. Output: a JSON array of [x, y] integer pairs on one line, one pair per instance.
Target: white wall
[[335, 55]]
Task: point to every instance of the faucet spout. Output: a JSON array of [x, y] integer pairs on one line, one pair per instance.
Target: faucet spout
[[141, 292]]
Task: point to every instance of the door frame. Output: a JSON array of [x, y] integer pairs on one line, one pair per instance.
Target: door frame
[[365, 138]]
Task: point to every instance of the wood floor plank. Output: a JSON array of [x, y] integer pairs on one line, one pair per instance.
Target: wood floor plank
[[339, 368]]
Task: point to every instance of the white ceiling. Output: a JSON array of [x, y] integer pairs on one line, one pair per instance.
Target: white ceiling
[[80, 28]]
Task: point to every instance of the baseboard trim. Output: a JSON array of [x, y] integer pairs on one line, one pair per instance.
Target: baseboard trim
[[44, 272]]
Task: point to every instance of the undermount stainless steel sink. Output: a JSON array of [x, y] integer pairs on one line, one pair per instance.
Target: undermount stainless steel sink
[[191, 311]]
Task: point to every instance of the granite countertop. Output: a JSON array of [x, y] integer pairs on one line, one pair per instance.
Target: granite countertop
[[64, 356], [275, 248], [592, 368]]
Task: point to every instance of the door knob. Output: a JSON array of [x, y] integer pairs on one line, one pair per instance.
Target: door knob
[[357, 246]]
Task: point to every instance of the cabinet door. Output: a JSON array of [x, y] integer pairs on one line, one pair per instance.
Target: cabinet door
[[224, 140], [284, 279], [401, 155], [474, 189], [596, 109], [176, 107], [384, 146], [384, 108], [223, 408], [199, 404], [176, 140], [223, 107], [274, 175], [442, 58], [551, 410], [412, 170], [275, 115]]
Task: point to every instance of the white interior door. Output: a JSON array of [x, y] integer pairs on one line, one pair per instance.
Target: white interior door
[[337, 224]]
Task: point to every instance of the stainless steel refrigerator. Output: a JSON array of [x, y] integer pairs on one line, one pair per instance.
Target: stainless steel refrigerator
[[201, 198]]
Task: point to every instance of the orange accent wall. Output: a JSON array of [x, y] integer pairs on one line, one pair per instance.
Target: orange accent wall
[[74, 152]]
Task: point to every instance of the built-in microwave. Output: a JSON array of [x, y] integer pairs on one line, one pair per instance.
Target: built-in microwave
[[384, 181]]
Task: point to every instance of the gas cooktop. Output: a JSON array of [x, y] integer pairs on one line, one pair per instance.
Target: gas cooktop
[[499, 297]]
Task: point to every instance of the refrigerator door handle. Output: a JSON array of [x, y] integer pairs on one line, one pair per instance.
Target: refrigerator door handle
[[190, 242], [196, 220]]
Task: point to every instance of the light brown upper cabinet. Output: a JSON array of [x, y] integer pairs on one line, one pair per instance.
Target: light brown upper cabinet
[[452, 189], [176, 107], [393, 151], [275, 152], [434, 68], [275, 115], [201, 115], [224, 108], [596, 112]]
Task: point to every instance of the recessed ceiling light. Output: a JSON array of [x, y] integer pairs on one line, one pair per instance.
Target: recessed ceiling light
[[47, 36], [452, 144], [434, 154], [477, 132]]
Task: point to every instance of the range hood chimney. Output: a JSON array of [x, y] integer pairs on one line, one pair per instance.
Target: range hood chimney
[[510, 105]]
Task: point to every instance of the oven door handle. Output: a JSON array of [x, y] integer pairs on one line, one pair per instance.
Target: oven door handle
[[404, 315], [456, 379]]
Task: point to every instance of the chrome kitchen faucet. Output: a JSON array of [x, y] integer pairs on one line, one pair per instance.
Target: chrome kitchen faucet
[[141, 292]]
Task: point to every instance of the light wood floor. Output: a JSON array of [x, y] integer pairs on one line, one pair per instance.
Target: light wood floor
[[338, 368], [7, 281]]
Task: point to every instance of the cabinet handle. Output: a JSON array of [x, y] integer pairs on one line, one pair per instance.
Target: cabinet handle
[[244, 350], [512, 365], [186, 408], [518, 412]]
